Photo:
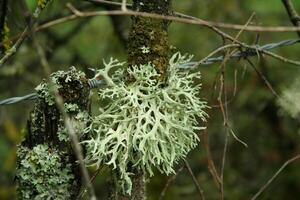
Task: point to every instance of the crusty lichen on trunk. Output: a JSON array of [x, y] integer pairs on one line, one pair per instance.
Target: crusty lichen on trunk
[[46, 167]]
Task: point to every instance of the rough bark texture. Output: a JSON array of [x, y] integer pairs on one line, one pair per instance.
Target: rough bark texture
[[3, 26], [147, 42], [45, 127], [148, 38]]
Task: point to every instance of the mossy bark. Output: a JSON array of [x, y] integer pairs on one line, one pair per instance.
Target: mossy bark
[[147, 43], [45, 127], [148, 38], [4, 41]]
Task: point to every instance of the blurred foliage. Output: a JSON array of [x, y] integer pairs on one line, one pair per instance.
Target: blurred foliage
[[254, 115]]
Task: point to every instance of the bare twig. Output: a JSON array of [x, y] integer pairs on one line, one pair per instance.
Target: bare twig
[[200, 190], [224, 109], [83, 191], [169, 181], [214, 52], [23, 36], [264, 79], [190, 20], [111, 3], [179, 18], [211, 164], [263, 188], [205, 22], [223, 164], [293, 15]]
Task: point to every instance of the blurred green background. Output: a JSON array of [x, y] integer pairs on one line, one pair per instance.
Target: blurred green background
[[254, 115]]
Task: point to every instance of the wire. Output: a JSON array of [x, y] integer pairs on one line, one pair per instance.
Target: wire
[[241, 54], [94, 83]]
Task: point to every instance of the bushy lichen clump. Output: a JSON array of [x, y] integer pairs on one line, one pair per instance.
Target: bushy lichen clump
[[43, 173], [147, 124]]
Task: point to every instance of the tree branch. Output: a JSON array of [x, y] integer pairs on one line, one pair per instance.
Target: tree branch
[[293, 15]]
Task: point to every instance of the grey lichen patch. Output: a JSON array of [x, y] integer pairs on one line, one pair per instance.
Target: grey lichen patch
[[145, 125], [44, 174], [45, 120], [47, 142], [79, 122]]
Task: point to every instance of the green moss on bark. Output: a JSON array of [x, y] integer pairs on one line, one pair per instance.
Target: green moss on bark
[[150, 34]]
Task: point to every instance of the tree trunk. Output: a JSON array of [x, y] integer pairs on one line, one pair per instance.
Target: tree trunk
[[147, 42], [46, 163], [148, 38]]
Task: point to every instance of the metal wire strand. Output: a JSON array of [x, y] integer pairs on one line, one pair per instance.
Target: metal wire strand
[[94, 83]]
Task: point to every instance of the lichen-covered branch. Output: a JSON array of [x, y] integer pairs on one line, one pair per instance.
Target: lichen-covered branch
[[46, 166]]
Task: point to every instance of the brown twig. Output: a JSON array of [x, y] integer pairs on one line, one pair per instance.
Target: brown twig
[[263, 188], [180, 18], [199, 188], [293, 15], [215, 24], [264, 79], [23, 36], [168, 183], [224, 109], [171, 18]]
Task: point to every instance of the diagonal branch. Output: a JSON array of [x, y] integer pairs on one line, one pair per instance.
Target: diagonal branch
[[199, 188], [293, 15], [263, 188]]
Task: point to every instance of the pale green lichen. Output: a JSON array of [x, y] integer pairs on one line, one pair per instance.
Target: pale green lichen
[[290, 100], [78, 121], [46, 163], [42, 174], [147, 124]]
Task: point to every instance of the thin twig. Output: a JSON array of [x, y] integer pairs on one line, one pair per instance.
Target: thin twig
[[264, 79], [293, 15], [189, 20], [215, 24], [224, 109], [168, 183], [263, 188], [211, 164], [83, 191], [23, 36], [214, 52], [200, 190], [223, 164]]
